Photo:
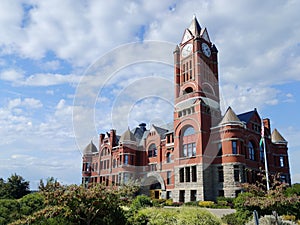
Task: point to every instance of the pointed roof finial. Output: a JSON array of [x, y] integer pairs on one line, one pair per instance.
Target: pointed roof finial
[[195, 28]]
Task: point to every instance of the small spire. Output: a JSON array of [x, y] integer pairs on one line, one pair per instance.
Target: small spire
[[195, 28]]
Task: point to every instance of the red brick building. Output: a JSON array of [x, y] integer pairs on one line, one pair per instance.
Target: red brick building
[[201, 154]]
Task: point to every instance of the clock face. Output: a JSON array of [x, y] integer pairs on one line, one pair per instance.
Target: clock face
[[206, 50], [187, 50]]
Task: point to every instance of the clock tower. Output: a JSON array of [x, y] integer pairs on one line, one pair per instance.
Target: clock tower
[[197, 103]]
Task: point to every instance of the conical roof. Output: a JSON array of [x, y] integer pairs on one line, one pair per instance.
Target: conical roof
[[90, 148], [195, 27], [230, 117], [127, 136], [277, 137]]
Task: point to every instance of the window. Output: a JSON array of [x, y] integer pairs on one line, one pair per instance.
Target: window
[[126, 159], [169, 194], [168, 156], [181, 175], [281, 161], [189, 150], [220, 151], [193, 195], [189, 131], [152, 151], [194, 174], [152, 167], [221, 193], [169, 177], [220, 174], [236, 173], [251, 151], [234, 147], [114, 163], [181, 195], [283, 178], [187, 174], [261, 153]]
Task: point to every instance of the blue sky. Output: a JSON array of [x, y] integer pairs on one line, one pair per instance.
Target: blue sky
[[66, 65]]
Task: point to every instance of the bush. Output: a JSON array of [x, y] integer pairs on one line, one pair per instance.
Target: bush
[[191, 203], [229, 201], [206, 204], [177, 204], [180, 216], [271, 220], [232, 219], [169, 202], [141, 201], [158, 202]]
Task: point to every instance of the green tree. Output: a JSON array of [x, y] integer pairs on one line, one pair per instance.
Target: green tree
[[3, 189], [78, 205], [17, 187], [50, 185]]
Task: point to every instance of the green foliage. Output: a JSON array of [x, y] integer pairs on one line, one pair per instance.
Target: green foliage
[[279, 198], [293, 190], [9, 210], [50, 185], [169, 202], [225, 201], [178, 216], [141, 201], [232, 219], [206, 204], [31, 203], [15, 187], [78, 205], [271, 220]]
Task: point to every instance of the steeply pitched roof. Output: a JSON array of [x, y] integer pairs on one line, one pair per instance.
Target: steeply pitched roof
[[245, 117], [230, 117], [90, 148], [160, 131], [277, 137], [127, 136], [195, 27]]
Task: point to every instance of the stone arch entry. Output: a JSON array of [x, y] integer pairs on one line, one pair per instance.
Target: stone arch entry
[[153, 185]]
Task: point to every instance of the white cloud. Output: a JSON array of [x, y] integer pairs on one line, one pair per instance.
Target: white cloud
[[11, 75]]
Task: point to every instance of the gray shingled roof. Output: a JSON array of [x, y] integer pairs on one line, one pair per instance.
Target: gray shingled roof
[[230, 117], [277, 137], [90, 148]]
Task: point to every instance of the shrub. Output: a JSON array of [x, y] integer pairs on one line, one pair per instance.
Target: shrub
[[206, 204], [177, 204], [158, 202], [179, 216], [271, 220], [232, 219], [191, 203], [141, 201], [169, 202]]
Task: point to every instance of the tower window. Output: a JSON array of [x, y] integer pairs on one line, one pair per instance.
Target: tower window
[[188, 90], [281, 161], [234, 147], [152, 151]]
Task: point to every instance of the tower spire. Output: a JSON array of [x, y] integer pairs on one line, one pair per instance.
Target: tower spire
[[195, 28]]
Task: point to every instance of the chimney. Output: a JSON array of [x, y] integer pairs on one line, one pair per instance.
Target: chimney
[[142, 127], [266, 123], [101, 137], [112, 137]]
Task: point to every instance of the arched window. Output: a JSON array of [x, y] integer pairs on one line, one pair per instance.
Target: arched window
[[188, 90], [188, 148], [189, 131], [152, 151], [251, 151]]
